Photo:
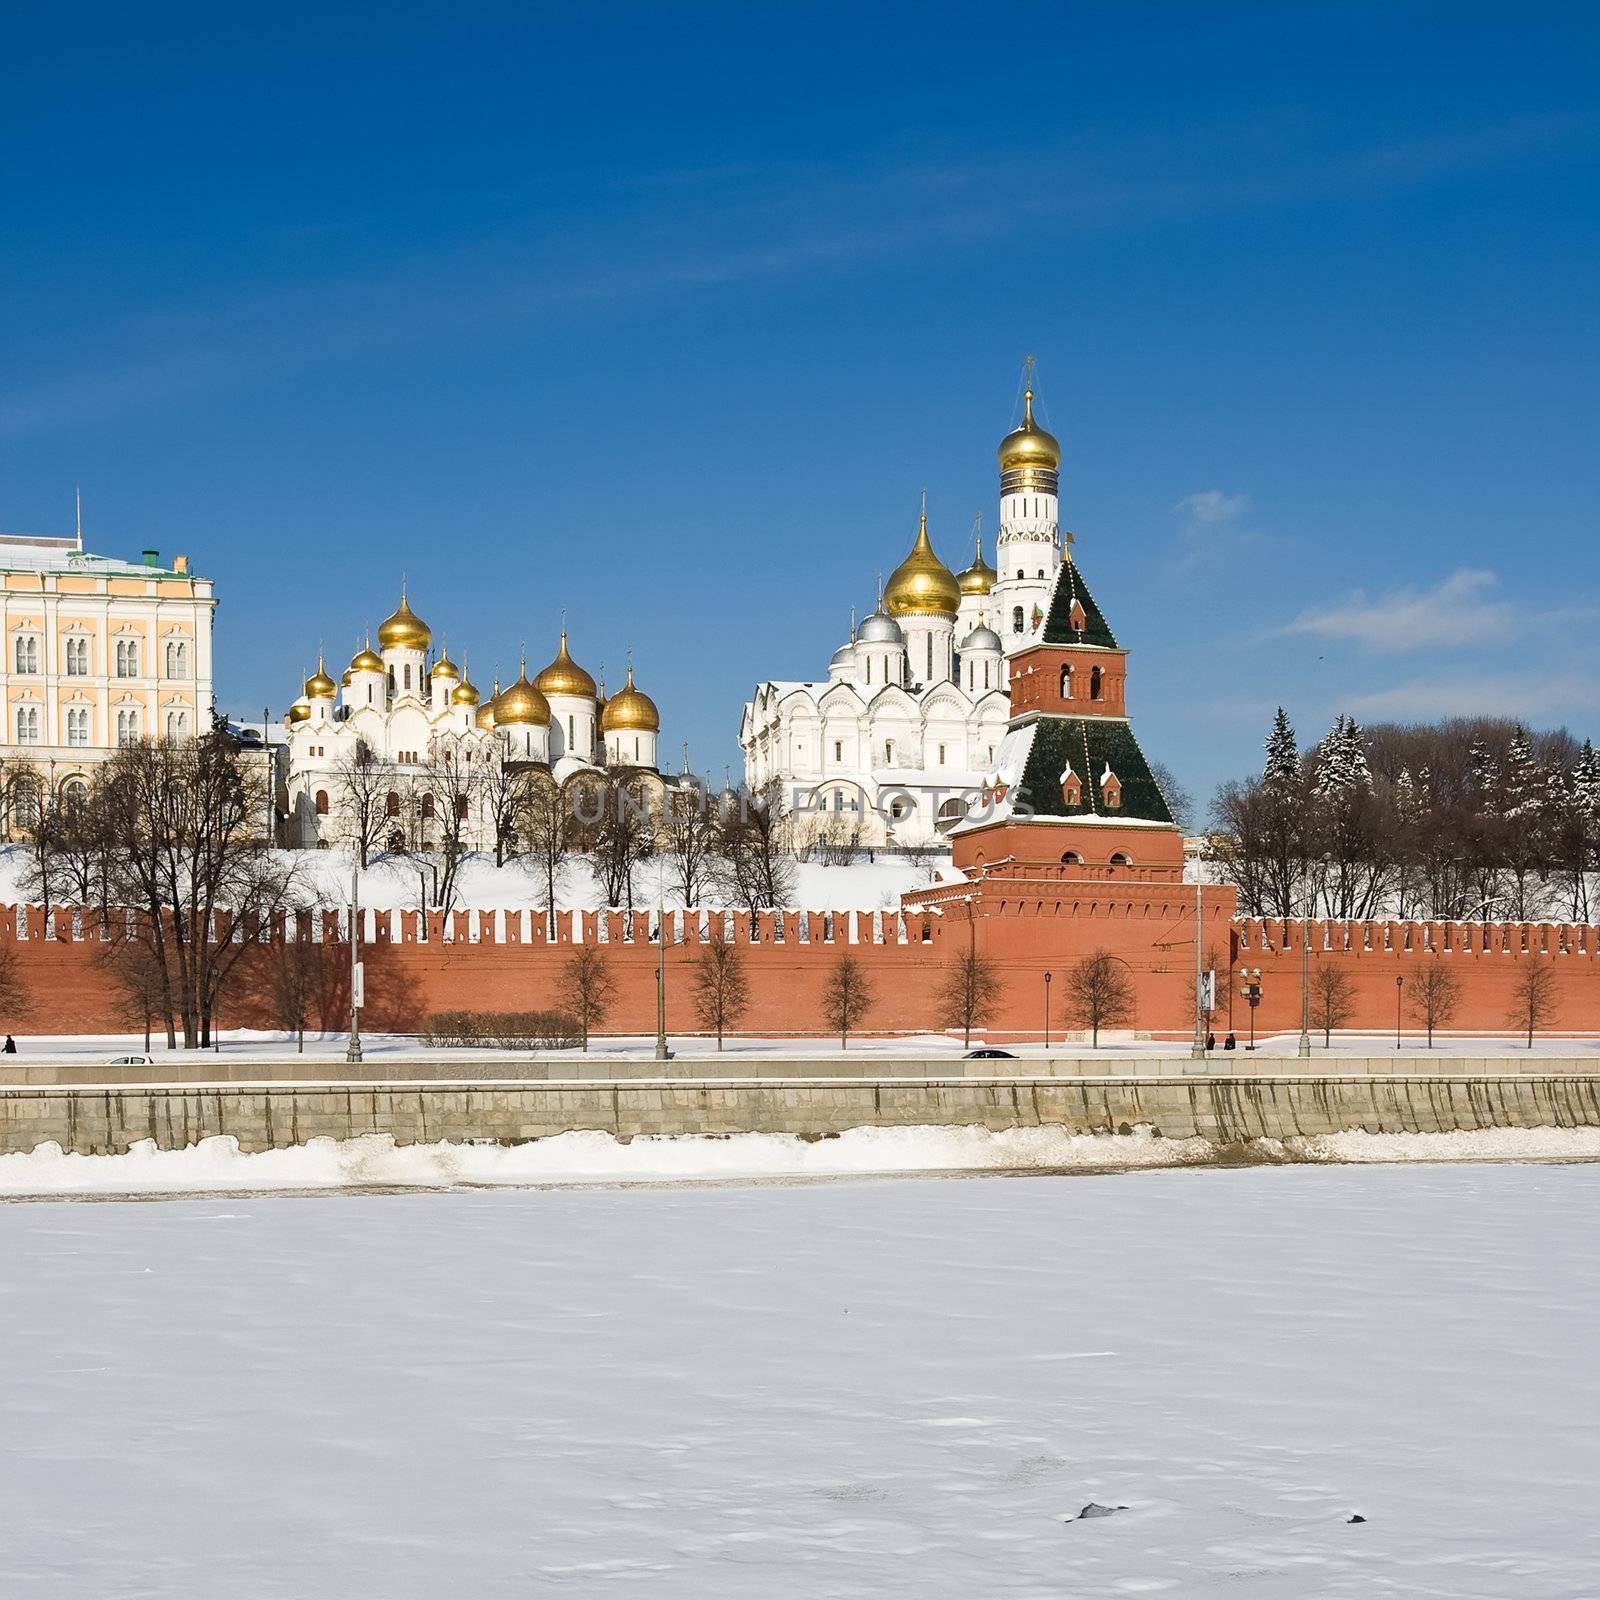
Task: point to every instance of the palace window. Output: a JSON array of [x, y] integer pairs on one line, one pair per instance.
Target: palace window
[[177, 726], [77, 658], [27, 653], [27, 725], [78, 725], [127, 658], [128, 726], [177, 659]]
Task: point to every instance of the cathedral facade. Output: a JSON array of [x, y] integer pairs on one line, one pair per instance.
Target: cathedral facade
[[906, 727], [407, 731]]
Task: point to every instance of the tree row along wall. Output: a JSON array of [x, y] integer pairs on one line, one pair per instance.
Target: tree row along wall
[[1224, 1111], [418, 964]]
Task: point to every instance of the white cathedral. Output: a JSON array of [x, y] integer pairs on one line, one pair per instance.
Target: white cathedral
[[910, 717], [415, 713]]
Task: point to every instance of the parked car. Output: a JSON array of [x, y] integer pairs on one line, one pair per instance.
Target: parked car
[[131, 1061], [988, 1053]]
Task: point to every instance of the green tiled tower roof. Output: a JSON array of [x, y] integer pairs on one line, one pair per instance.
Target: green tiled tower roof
[[1058, 627], [1090, 745]]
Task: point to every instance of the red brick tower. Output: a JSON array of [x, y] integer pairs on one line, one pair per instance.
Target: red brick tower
[[1072, 790]]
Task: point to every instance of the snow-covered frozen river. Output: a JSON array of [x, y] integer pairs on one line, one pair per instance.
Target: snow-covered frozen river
[[842, 1389]]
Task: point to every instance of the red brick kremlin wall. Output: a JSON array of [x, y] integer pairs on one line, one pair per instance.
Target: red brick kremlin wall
[[504, 961]]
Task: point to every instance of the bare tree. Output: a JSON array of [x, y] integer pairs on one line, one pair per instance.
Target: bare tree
[[1534, 1004], [846, 997], [542, 826], [296, 976], [624, 837], [141, 986], [506, 792], [189, 860], [721, 985], [1099, 992], [14, 992], [362, 786], [967, 993], [758, 871], [591, 988], [691, 837], [1435, 992], [452, 788], [1333, 999]]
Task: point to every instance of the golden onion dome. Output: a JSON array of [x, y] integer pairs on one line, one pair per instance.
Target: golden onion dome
[[403, 629], [630, 710], [1029, 445], [319, 686], [980, 577], [522, 705], [465, 693], [366, 659], [298, 712], [565, 676], [922, 585], [344, 678], [444, 667], [485, 717]]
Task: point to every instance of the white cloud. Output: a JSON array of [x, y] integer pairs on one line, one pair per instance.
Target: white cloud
[[1474, 694], [1212, 506], [1457, 611]]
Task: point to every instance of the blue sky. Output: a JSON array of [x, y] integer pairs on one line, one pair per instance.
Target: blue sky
[[666, 316]]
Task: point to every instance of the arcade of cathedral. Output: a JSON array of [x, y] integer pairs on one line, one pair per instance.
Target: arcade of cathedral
[[908, 724], [432, 740]]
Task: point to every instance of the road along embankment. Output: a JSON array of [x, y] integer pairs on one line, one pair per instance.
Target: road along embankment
[[109, 1119]]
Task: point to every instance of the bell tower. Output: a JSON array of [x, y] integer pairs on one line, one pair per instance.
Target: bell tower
[[1028, 547]]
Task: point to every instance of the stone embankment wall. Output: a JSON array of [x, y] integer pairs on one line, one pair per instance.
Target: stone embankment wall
[[417, 964], [101, 1121]]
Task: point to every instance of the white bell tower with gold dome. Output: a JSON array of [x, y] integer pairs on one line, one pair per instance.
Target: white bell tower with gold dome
[[1028, 548]]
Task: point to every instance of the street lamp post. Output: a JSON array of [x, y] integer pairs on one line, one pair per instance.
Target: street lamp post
[[661, 977], [1399, 989], [1047, 1013], [1305, 984], [1197, 1051], [353, 1049], [1251, 990]]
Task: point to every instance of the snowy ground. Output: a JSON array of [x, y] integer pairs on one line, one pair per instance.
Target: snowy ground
[[392, 883], [835, 1390], [1270, 1053]]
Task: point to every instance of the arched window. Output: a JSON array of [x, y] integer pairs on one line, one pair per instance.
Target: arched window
[[1094, 683], [27, 725], [1070, 858], [1066, 683], [27, 653], [25, 801], [888, 752], [74, 793], [127, 658], [128, 726], [427, 808], [321, 802], [78, 725], [177, 659], [461, 808], [1016, 616], [391, 805], [77, 658], [1122, 859]]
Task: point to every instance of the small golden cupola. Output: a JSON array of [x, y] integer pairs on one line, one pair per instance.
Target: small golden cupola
[[630, 710], [522, 705], [565, 676], [465, 693], [300, 711], [922, 585], [979, 578], [366, 659], [485, 718], [444, 667], [319, 686], [403, 629], [1029, 456]]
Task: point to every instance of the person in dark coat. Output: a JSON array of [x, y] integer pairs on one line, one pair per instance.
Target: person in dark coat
[[1211, 1041], [11, 1045], [1230, 1043]]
